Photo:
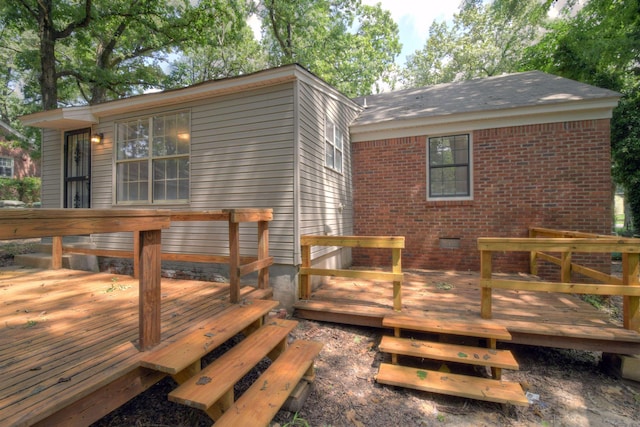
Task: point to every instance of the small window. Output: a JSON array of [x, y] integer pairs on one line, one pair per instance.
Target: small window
[[6, 167], [152, 159], [449, 167], [333, 146]]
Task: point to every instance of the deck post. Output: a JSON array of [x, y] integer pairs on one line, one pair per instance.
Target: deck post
[[533, 255], [234, 260], [150, 295], [485, 277], [263, 252], [136, 251], [396, 256], [565, 267], [631, 304], [56, 253], [305, 281]]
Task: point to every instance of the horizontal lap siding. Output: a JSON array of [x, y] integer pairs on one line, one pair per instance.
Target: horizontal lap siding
[[241, 157], [325, 195], [52, 148]]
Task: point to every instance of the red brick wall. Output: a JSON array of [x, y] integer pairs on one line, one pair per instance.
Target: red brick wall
[[550, 175]]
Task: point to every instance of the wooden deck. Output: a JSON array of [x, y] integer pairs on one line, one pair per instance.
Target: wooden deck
[[533, 318], [69, 337]]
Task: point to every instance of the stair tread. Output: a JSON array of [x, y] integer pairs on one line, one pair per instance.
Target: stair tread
[[449, 352], [209, 385], [452, 384], [260, 403], [174, 356], [480, 328]]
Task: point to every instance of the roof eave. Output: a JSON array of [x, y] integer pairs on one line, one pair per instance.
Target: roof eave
[[76, 117], [600, 108]]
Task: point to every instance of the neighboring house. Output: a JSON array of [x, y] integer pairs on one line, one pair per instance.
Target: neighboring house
[[15, 162], [273, 139], [446, 164], [506, 153]]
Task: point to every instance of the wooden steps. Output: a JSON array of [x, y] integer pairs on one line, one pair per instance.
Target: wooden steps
[[449, 352], [452, 384], [260, 403], [175, 356], [214, 381], [489, 389], [212, 389]]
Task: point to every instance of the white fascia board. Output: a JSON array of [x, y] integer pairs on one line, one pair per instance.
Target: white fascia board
[[491, 119], [76, 117], [197, 92], [61, 118]]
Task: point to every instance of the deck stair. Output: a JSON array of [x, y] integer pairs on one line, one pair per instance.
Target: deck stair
[[489, 389], [211, 388]]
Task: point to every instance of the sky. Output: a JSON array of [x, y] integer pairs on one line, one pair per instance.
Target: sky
[[414, 17]]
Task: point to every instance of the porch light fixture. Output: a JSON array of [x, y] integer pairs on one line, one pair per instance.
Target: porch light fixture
[[97, 138]]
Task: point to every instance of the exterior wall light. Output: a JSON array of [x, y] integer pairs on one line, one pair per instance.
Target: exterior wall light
[[97, 138]]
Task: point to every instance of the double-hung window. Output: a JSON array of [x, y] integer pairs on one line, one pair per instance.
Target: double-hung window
[[152, 159], [6, 167], [333, 141], [449, 167]]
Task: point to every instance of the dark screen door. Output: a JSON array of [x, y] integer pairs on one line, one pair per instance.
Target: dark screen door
[[77, 169]]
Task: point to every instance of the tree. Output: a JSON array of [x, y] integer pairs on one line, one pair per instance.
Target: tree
[[350, 45], [484, 40], [226, 48], [51, 25], [600, 45]]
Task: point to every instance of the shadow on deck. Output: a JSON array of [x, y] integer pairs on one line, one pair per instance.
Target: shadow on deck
[[532, 318], [70, 338]]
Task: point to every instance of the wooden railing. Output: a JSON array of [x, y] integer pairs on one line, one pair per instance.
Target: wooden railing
[[539, 245], [395, 243], [239, 266], [146, 226], [34, 223]]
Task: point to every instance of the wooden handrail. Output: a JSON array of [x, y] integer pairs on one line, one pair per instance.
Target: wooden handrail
[[395, 243], [566, 243], [148, 224]]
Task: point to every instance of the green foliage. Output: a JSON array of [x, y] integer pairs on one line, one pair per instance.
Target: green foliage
[[26, 190], [484, 39], [297, 421], [600, 45], [350, 45]]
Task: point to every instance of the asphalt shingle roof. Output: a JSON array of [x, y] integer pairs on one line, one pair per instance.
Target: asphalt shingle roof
[[508, 91]]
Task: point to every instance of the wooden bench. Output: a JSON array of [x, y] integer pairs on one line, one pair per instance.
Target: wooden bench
[[181, 358], [212, 389], [260, 403]]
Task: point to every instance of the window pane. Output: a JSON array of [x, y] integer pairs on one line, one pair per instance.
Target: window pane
[[329, 154], [131, 181], [133, 140], [449, 160], [338, 165]]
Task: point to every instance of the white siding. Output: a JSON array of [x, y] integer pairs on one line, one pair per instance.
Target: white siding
[[326, 198], [52, 148], [241, 157]]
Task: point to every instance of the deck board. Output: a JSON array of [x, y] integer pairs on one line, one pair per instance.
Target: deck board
[[66, 334], [531, 317]]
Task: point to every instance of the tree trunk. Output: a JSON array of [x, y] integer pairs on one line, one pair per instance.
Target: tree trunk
[[47, 35]]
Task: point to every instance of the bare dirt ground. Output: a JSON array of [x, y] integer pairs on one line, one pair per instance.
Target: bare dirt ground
[[567, 387]]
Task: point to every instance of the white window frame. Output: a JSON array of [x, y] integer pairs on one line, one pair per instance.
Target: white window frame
[[468, 164], [150, 158], [333, 146], [11, 166]]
